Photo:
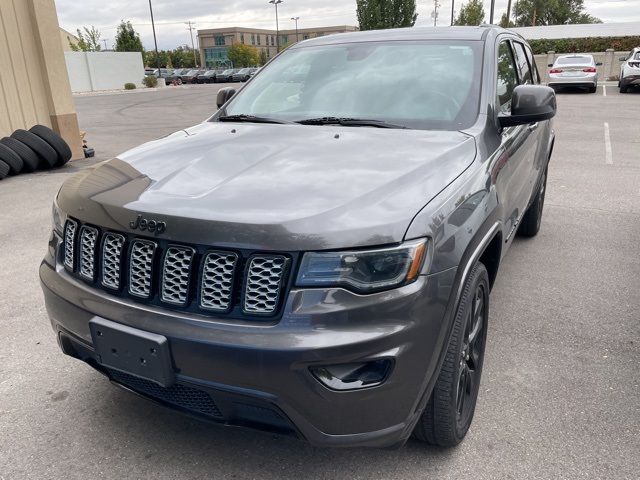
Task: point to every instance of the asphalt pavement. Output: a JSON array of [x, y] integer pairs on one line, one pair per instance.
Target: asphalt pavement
[[560, 394]]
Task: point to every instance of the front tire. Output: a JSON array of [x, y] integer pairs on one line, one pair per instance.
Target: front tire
[[532, 220], [449, 412]]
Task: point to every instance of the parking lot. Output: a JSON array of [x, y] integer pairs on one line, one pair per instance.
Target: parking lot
[[560, 394]]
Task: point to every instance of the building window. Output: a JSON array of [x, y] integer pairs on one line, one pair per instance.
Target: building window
[[259, 41], [284, 39], [253, 39], [242, 38], [305, 36], [219, 41]]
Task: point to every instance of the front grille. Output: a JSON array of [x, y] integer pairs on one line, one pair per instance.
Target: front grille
[[264, 283], [192, 278], [179, 395], [141, 268], [88, 238], [175, 275]]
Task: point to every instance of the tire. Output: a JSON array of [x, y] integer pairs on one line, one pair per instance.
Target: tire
[[449, 412], [56, 141], [12, 159], [624, 88], [4, 169], [532, 220], [45, 152], [593, 89], [30, 160], [179, 81]]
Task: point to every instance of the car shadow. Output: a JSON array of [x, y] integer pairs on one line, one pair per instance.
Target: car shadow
[[164, 441]]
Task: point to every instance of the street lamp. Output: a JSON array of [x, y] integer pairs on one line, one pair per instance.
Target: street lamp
[[276, 3], [453, 12], [493, 8], [155, 40], [295, 19]]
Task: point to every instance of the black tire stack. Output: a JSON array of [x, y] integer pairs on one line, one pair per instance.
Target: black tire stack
[[28, 151]]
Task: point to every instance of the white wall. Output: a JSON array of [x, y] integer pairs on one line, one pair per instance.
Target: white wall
[[94, 71]]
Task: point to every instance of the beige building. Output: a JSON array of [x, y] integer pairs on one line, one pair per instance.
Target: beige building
[[34, 84], [68, 39], [214, 43]]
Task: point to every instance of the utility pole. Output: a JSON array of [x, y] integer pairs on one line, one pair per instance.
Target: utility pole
[[453, 12], [295, 19], [191, 27], [493, 8], [276, 3], [508, 14], [105, 43], [434, 14], [155, 40]]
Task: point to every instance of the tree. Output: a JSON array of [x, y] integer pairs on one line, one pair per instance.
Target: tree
[[505, 22], [381, 14], [127, 39], [552, 12], [263, 57], [89, 41], [243, 55], [471, 13]]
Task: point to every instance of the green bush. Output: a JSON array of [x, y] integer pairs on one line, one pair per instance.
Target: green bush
[[583, 45], [129, 86], [150, 81]]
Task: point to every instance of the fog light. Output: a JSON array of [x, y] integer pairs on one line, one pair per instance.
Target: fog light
[[354, 376]]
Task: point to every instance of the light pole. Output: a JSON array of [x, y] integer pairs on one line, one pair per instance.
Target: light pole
[[155, 40], [493, 8], [276, 3], [295, 19], [453, 12], [191, 27]]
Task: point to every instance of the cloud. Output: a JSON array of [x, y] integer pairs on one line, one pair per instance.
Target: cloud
[[170, 15]]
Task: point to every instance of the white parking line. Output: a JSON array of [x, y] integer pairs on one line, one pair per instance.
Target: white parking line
[[604, 90], [607, 145]]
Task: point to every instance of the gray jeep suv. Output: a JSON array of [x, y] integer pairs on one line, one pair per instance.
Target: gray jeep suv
[[316, 258]]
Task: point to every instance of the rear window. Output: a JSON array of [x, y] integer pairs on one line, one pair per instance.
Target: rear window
[[574, 61]]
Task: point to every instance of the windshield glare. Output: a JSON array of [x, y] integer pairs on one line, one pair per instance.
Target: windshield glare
[[423, 85]]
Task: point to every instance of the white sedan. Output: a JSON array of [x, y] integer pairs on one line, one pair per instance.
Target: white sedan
[[574, 71]]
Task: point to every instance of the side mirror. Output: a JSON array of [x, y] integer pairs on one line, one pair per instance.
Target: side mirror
[[623, 59], [550, 65], [224, 95], [530, 104], [598, 64]]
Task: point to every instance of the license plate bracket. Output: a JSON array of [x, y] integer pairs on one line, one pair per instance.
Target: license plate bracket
[[136, 352]]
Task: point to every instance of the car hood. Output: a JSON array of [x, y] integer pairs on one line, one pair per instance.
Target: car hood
[[282, 187]]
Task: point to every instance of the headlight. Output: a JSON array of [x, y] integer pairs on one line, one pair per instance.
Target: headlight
[[364, 270], [57, 217]]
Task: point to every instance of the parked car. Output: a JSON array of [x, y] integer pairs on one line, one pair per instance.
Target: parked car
[[207, 77], [176, 76], [191, 76], [574, 71], [226, 76], [243, 75], [255, 71], [322, 269], [630, 71]]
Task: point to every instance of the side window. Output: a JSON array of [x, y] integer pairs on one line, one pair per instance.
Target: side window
[[523, 64], [507, 77], [534, 67]]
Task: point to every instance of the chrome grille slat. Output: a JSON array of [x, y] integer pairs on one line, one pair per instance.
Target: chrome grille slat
[[265, 277], [141, 268], [112, 246], [70, 229], [87, 253], [216, 288], [176, 273]]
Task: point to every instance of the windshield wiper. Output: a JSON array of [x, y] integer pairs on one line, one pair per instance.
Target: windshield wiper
[[349, 122], [250, 119]]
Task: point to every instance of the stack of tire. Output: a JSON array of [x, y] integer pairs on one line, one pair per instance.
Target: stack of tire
[[40, 148]]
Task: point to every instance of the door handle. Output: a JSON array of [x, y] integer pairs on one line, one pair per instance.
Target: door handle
[[533, 127]]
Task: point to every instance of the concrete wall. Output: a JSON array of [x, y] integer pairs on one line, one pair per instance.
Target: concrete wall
[[34, 86], [610, 60], [94, 71]]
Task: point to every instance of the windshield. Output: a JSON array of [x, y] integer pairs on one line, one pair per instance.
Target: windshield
[[245, 70], [574, 61], [227, 72], [422, 85]]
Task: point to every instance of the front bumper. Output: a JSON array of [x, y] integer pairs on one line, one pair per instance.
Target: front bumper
[[264, 369]]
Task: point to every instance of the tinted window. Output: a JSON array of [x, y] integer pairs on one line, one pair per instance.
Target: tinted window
[[507, 77], [532, 63], [417, 84], [523, 64], [575, 60]]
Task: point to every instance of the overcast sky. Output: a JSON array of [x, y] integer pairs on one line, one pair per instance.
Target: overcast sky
[[169, 15]]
